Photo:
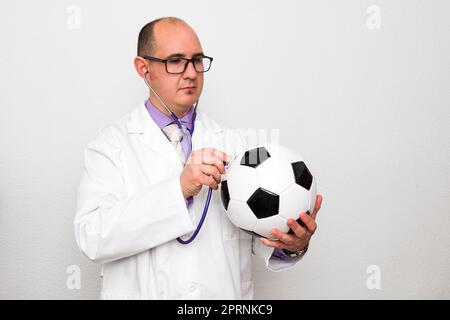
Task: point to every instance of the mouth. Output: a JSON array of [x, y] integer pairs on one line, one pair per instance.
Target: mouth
[[188, 88]]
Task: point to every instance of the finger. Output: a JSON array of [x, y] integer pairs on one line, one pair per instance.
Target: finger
[[208, 181], [283, 237], [299, 231], [224, 157], [211, 171], [317, 206], [212, 152], [309, 222], [195, 157], [273, 243], [221, 156], [210, 159], [202, 155]]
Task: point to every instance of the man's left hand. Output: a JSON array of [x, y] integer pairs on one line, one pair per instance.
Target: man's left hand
[[302, 235]]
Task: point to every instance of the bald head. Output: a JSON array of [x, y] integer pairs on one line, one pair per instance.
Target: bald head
[[147, 41], [170, 39]]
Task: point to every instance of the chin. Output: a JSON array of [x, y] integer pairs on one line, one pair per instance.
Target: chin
[[188, 100]]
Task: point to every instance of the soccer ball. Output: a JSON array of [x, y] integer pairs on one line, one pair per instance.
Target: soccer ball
[[264, 187]]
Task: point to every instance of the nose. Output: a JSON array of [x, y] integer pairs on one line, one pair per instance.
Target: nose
[[190, 72]]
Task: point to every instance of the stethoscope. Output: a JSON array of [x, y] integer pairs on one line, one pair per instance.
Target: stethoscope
[[186, 133]]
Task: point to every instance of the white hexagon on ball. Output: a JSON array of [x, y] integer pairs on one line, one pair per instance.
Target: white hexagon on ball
[[275, 174], [241, 215], [241, 190], [263, 226], [293, 200]]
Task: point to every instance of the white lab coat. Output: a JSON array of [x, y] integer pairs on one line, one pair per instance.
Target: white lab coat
[[130, 210]]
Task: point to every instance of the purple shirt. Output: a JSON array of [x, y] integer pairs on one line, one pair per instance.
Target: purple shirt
[[162, 121]]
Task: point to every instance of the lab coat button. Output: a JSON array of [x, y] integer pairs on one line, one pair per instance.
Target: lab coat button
[[193, 286]]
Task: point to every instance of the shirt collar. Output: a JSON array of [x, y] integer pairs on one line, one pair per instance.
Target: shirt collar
[[163, 120]]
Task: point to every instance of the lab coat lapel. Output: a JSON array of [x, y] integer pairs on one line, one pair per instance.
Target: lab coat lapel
[[151, 135], [205, 134]]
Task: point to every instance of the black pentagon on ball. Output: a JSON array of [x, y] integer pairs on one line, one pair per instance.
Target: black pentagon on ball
[[302, 175], [253, 158], [225, 194], [264, 203]]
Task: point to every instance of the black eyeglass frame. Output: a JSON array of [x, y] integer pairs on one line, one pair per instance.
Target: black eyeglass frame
[[180, 58]]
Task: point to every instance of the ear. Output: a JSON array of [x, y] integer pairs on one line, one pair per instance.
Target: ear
[[141, 66]]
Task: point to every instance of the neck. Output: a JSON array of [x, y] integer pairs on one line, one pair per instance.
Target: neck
[[179, 111]]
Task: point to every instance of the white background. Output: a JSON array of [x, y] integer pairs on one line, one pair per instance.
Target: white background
[[368, 108]]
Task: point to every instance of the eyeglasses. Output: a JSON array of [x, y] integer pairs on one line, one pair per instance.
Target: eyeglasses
[[179, 65]]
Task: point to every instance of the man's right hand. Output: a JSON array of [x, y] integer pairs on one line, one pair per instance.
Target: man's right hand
[[204, 167]]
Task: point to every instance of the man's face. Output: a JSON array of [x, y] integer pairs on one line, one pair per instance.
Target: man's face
[[176, 90]]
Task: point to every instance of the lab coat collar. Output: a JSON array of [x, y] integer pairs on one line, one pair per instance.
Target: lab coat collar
[[140, 121]]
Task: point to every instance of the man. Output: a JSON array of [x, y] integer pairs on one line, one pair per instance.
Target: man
[[143, 187]]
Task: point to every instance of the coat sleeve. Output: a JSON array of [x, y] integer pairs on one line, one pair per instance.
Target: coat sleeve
[[111, 224], [271, 261]]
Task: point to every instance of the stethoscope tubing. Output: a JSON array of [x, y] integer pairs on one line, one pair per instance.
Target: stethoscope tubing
[[177, 121]]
